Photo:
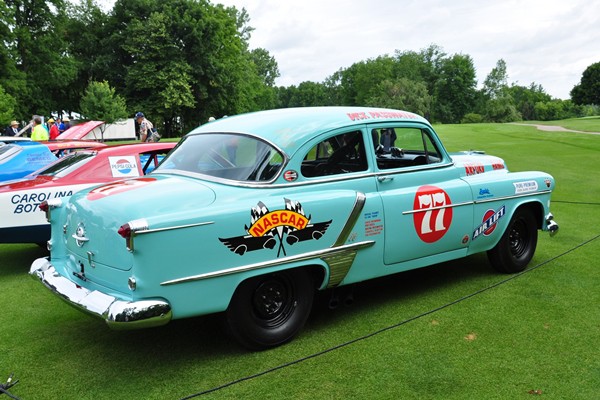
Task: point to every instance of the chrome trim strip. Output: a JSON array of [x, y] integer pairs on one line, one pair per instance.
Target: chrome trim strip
[[466, 203], [406, 170], [300, 257], [359, 204], [268, 185], [336, 178], [129, 242], [117, 313], [514, 196], [138, 225], [169, 228]]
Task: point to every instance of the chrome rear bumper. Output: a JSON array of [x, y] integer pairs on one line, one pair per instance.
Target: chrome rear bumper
[[118, 314]]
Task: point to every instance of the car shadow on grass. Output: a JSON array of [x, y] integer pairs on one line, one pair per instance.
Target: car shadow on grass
[[410, 292], [205, 338]]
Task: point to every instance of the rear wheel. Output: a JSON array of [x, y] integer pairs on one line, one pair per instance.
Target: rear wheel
[[517, 245], [269, 310]]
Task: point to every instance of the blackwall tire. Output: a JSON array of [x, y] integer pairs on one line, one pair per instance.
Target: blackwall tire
[[517, 245], [269, 310]]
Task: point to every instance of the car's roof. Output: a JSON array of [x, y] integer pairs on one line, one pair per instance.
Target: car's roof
[[25, 143], [11, 139], [290, 127], [124, 149]]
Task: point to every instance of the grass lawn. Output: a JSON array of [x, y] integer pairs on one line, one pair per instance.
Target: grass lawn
[[588, 124], [456, 330]]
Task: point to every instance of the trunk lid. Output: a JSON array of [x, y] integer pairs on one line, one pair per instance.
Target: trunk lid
[[93, 216]]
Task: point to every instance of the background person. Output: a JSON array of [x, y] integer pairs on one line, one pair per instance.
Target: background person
[[54, 132], [145, 127], [13, 129], [39, 133], [64, 125]]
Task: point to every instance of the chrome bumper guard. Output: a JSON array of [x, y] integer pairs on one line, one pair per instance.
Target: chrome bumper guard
[[118, 314], [552, 226]]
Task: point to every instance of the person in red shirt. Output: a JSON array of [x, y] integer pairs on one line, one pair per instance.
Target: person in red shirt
[[53, 129]]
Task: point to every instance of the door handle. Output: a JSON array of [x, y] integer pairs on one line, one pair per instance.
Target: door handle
[[385, 178]]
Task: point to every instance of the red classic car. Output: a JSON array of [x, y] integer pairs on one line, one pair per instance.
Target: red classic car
[[20, 219]]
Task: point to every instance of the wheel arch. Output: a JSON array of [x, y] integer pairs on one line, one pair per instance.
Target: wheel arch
[[319, 273], [536, 208]]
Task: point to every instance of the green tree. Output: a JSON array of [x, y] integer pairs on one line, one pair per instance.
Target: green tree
[[402, 94], [308, 94], [101, 103], [525, 99], [181, 61], [37, 43], [501, 109], [7, 108], [495, 100], [424, 65], [158, 80], [587, 91], [266, 66], [496, 83], [455, 89], [12, 81], [85, 31], [358, 82]]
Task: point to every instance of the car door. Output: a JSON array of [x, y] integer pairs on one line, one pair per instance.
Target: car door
[[427, 207]]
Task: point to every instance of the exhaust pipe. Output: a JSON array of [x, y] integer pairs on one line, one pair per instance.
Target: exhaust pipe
[[334, 301]]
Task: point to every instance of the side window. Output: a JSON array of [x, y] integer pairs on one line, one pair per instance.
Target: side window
[[403, 147], [339, 154]]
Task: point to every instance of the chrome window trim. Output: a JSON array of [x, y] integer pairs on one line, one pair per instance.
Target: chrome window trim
[[318, 180]]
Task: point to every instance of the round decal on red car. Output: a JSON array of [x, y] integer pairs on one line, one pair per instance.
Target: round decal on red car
[[433, 214], [113, 188]]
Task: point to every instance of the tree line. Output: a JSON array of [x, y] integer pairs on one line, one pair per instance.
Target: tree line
[[183, 61]]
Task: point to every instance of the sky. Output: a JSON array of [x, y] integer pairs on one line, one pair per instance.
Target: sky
[[547, 42]]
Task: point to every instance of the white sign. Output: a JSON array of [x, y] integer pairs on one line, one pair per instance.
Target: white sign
[[123, 166], [525, 187]]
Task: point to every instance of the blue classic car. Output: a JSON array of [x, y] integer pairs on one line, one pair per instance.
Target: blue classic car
[[21, 158], [251, 215]]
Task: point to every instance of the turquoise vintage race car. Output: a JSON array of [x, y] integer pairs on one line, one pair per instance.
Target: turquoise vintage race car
[[251, 215]]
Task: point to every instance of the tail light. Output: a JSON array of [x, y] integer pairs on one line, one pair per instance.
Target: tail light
[[47, 205], [129, 230]]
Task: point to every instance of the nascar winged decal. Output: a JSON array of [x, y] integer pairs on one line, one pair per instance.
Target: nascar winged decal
[[268, 228]]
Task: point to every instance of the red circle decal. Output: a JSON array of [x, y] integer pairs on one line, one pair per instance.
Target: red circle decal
[[489, 214], [433, 215]]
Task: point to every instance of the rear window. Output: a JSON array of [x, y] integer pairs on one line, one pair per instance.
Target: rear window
[[65, 165], [225, 156]]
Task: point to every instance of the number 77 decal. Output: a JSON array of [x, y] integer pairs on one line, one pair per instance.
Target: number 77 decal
[[432, 216]]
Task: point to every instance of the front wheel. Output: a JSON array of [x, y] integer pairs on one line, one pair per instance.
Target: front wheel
[[269, 310], [517, 245]]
